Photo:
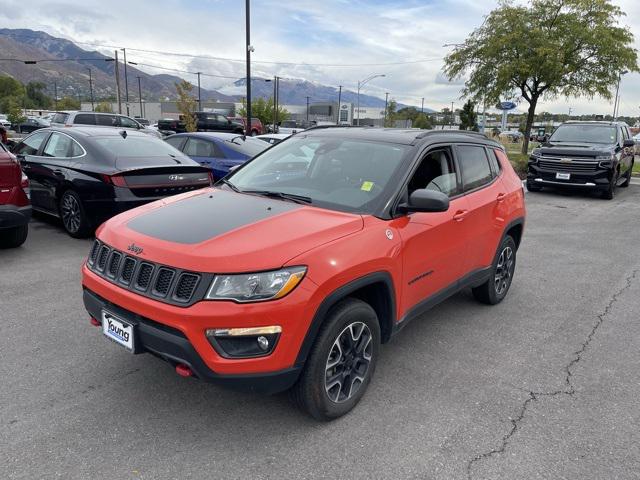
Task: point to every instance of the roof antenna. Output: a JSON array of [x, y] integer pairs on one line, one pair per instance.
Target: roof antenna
[[123, 133]]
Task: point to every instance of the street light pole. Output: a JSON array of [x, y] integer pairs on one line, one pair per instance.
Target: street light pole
[[249, 49], [339, 104], [126, 81], [117, 72], [362, 84], [199, 98], [275, 103], [386, 105], [422, 108], [308, 109], [91, 89], [140, 95], [617, 98], [55, 95]]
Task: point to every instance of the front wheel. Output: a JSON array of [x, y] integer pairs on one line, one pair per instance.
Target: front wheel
[[74, 218], [627, 177], [341, 362], [610, 192], [532, 187], [496, 287]]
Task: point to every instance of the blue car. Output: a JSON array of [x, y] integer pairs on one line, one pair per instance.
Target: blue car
[[218, 151]]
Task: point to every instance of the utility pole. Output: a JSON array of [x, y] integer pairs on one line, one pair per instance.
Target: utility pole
[[140, 96], [386, 105], [117, 72], [308, 109], [249, 49], [275, 103], [616, 101], [339, 104], [126, 81], [55, 95], [569, 113], [91, 90], [453, 118], [199, 98], [422, 108]]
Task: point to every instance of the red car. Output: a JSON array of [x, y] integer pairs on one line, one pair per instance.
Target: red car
[[292, 271], [15, 209], [256, 125]]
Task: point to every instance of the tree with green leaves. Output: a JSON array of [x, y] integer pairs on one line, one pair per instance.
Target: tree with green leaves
[[36, 98], [104, 107], [263, 109], [187, 105], [468, 117], [544, 49], [423, 122], [10, 87], [68, 103], [390, 117]]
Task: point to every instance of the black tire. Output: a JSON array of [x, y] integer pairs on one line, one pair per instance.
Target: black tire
[[496, 288], [532, 187], [610, 192], [349, 335], [13, 237], [627, 177], [73, 216]]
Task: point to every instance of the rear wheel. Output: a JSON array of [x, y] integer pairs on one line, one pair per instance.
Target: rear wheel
[[74, 218], [504, 265], [341, 362], [13, 237], [532, 187]]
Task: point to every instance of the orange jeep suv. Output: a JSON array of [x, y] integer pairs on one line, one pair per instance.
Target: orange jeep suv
[[294, 269]]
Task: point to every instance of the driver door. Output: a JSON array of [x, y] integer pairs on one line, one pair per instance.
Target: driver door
[[434, 243]]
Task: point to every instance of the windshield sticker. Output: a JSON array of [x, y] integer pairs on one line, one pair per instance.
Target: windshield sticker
[[366, 186]]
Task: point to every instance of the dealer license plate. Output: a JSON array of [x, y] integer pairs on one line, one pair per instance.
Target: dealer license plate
[[563, 176], [117, 330]]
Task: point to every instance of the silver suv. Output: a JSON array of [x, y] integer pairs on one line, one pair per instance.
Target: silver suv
[[109, 120]]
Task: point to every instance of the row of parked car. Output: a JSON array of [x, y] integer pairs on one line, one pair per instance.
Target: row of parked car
[[95, 170]]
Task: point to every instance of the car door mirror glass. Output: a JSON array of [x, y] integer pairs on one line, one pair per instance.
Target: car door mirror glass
[[629, 143], [423, 200]]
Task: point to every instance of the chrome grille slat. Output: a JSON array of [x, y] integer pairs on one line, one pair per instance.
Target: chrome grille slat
[[570, 167]]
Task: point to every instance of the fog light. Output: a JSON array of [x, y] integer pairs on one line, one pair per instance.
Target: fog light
[[244, 342]]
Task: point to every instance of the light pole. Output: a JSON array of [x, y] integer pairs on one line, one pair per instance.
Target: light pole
[[386, 105], [308, 110], [276, 80], [55, 95], [422, 107], [91, 89], [199, 98], [249, 50], [339, 104], [617, 99], [362, 83], [126, 80], [140, 95], [117, 73]]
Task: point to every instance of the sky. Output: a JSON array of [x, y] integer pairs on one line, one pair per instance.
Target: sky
[[315, 40]]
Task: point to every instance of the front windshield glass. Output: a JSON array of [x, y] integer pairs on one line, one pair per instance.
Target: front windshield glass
[[340, 173], [584, 133]]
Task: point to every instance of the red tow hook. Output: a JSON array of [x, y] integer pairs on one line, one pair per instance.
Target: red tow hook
[[95, 322], [183, 370]]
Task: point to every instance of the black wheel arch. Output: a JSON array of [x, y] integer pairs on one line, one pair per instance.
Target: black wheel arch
[[515, 229], [375, 288]]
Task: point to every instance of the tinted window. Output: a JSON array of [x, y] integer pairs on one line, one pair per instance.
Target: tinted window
[[76, 149], [474, 167], [85, 119], [493, 161], [625, 133], [584, 133], [249, 146], [31, 144], [196, 147], [107, 120], [58, 145], [138, 146], [128, 123], [175, 141], [436, 172], [60, 117]]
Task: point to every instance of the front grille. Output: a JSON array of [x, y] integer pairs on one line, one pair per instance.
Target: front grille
[[165, 284], [569, 167], [144, 276], [186, 286]]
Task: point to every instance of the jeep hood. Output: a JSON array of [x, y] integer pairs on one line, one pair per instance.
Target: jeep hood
[[221, 231]]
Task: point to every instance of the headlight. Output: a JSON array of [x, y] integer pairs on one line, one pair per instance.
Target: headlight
[[255, 287], [604, 161], [535, 155]]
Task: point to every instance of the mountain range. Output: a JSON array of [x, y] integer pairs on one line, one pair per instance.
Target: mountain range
[[63, 66]]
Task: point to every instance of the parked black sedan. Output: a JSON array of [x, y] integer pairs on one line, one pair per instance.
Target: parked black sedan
[[29, 125], [85, 175]]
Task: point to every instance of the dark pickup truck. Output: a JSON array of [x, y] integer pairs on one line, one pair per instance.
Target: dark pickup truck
[[206, 122]]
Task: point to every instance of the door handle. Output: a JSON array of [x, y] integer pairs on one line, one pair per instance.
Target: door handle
[[501, 197], [460, 214]]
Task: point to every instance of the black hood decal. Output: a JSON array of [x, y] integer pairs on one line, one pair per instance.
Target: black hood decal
[[202, 217]]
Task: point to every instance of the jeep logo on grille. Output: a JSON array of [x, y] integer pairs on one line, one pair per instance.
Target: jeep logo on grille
[[135, 249], [175, 178]]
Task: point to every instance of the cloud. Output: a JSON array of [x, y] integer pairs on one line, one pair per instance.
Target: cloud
[[302, 32]]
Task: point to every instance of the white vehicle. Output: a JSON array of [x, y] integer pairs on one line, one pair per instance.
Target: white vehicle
[[97, 119], [4, 122], [273, 138]]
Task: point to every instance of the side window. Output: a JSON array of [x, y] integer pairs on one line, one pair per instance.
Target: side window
[[85, 119], [128, 123], [175, 142], [200, 148], [76, 149], [107, 120], [625, 133], [436, 172], [474, 167], [58, 146], [60, 118], [31, 144], [493, 161]]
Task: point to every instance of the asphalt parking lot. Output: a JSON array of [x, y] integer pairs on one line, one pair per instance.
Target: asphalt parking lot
[[544, 385]]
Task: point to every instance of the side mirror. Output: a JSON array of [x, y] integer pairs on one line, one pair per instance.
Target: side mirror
[[629, 143], [424, 200]]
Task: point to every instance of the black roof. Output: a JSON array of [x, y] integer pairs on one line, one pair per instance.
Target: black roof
[[398, 135]]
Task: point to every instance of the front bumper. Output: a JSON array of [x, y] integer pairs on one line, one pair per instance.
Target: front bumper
[[12, 216], [172, 345], [599, 178]]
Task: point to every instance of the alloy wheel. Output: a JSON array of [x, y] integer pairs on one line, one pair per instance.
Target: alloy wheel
[[70, 210], [504, 270], [348, 362]]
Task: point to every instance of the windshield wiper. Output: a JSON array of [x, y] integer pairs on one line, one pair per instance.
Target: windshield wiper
[[284, 196], [230, 185]]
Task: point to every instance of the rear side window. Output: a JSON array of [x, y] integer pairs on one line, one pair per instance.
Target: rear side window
[[493, 161], [474, 167], [60, 118], [175, 141], [85, 119], [31, 144], [127, 122], [58, 146], [107, 120], [197, 147]]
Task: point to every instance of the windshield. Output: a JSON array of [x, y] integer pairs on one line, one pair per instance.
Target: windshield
[[250, 146], [138, 146], [584, 133], [339, 173]]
